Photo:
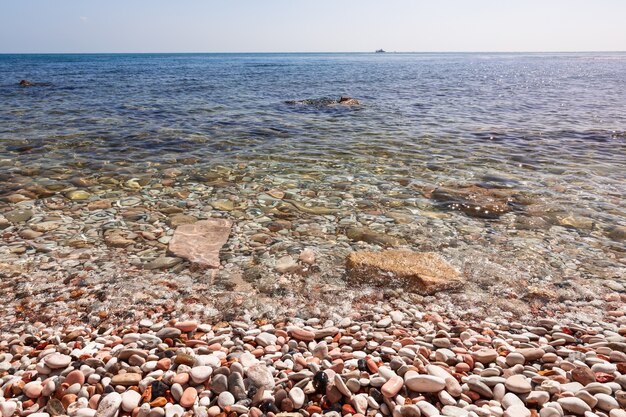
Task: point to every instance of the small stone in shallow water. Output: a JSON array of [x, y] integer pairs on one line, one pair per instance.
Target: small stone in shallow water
[[307, 256], [78, 195], [180, 219], [19, 215], [364, 234], [286, 264]]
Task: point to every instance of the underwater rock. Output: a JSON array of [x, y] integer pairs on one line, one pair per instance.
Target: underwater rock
[[475, 201], [27, 83], [348, 101], [326, 102], [201, 242], [364, 234], [421, 272]]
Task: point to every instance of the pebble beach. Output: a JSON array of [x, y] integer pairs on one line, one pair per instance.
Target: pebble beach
[[386, 362]]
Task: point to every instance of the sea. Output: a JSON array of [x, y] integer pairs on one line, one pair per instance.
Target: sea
[[542, 135]]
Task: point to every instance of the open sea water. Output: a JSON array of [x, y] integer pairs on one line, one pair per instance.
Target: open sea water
[[548, 129]]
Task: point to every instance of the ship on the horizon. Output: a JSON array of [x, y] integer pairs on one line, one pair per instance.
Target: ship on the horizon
[[380, 51]]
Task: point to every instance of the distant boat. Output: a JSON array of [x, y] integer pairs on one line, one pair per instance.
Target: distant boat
[[380, 51]]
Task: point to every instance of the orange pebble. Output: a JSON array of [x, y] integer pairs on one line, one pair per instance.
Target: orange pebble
[[158, 402], [68, 399], [371, 365], [314, 409]]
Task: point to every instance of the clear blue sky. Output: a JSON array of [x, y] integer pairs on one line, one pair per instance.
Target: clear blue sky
[[308, 26]]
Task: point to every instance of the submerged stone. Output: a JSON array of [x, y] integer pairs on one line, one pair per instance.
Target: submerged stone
[[475, 201], [364, 234], [201, 242], [421, 272], [19, 215]]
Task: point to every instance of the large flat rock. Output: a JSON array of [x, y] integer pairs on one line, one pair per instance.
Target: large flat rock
[[421, 272], [201, 241]]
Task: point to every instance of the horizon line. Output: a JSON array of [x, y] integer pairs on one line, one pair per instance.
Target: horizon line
[[314, 52]]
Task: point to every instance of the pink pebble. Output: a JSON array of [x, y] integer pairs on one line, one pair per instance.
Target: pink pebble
[[186, 326], [75, 377], [33, 389], [302, 334], [392, 386], [93, 401], [164, 364], [215, 410], [189, 397], [181, 378]]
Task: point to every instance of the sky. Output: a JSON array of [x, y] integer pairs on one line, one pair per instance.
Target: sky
[[32, 26]]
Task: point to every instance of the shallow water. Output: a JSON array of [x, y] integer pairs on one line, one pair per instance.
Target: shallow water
[[548, 129]]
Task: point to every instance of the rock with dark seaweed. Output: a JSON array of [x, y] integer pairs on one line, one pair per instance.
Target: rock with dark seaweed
[[326, 102], [27, 83], [348, 101], [475, 201]]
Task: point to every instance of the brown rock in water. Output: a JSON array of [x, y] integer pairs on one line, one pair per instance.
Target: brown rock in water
[[364, 234], [116, 239], [349, 101], [422, 272], [475, 201], [201, 242], [180, 219]]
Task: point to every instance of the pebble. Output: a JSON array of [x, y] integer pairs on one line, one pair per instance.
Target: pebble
[[109, 405], [518, 384], [126, 380], [225, 399], [189, 397], [57, 361], [574, 405], [186, 326], [130, 400], [201, 373], [392, 386], [297, 397], [517, 411], [485, 355], [423, 383], [174, 410], [260, 376]]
